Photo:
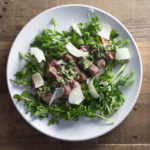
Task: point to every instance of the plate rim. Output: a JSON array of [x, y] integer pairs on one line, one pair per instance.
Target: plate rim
[[136, 47]]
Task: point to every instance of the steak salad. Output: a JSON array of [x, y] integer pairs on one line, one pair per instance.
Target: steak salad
[[71, 72]]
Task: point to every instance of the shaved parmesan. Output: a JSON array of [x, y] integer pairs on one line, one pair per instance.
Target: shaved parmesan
[[38, 54], [105, 31], [74, 51], [37, 80], [61, 62], [76, 96], [88, 80], [92, 89], [122, 53], [76, 29], [57, 94]]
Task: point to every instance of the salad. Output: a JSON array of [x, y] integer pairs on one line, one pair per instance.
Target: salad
[[70, 73]]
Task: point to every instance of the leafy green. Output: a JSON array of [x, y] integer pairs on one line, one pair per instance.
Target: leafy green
[[32, 66], [113, 34], [125, 43], [111, 98], [54, 21], [126, 80], [52, 44], [30, 101], [118, 73], [58, 111]]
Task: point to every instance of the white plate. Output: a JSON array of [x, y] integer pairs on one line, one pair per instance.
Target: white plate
[[84, 128]]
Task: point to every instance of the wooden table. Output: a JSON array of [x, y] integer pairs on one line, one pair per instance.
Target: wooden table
[[132, 133]]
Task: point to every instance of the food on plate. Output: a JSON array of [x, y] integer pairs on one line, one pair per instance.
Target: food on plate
[[71, 72]]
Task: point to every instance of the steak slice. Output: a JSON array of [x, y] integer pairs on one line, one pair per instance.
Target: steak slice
[[104, 41], [68, 57], [84, 48], [47, 97], [52, 69], [93, 70], [82, 77], [100, 63], [74, 84], [67, 90], [110, 55]]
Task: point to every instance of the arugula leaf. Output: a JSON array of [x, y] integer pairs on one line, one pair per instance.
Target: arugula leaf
[[122, 69], [113, 34], [124, 43], [126, 80], [54, 21], [22, 77], [30, 101]]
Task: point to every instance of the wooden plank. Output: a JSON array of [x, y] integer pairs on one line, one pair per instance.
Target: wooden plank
[[77, 146], [4, 51], [135, 129], [145, 55], [134, 14], [3, 83], [15, 133]]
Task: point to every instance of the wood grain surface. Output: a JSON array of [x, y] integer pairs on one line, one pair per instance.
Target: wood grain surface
[[132, 134]]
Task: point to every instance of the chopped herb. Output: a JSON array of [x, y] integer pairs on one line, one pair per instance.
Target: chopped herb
[[68, 72], [85, 63]]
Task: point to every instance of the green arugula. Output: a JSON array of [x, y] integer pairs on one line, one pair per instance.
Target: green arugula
[[53, 44]]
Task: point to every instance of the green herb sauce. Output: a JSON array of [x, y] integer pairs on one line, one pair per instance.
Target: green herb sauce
[[68, 73]]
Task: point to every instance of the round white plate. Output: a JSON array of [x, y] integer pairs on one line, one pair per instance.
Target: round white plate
[[84, 128]]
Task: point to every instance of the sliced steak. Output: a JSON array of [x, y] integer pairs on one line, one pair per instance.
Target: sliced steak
[[82, 77], [68, 57], [93, 70], [77, 68], [84, 48], [110, 55], [54, 63], [104, 41], [67, 90], [74, 84], [47, 97], [52, 69], [100, 63]]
